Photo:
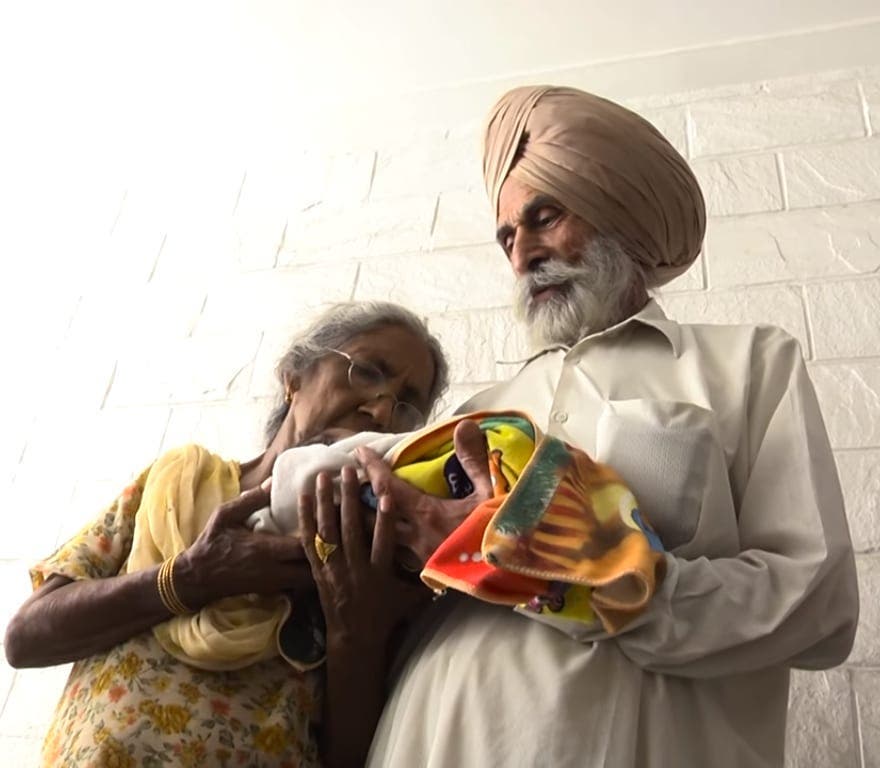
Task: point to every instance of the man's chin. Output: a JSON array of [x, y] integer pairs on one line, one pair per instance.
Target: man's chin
[[549, 294], [555, 321], [546, 301], [546, 331]]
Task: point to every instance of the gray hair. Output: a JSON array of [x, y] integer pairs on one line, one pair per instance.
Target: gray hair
[[601, 288], [338, 325]]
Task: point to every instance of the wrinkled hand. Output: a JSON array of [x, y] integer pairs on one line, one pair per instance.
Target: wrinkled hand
[[425, 521], [229, 559], [361, 597]]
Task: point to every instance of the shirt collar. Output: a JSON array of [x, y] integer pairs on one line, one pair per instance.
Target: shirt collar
[[650, 315], [653, 316]]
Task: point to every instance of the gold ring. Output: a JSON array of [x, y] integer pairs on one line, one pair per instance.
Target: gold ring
[[324, 548]]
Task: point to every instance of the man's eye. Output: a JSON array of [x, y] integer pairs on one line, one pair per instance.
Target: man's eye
[[546, 217]]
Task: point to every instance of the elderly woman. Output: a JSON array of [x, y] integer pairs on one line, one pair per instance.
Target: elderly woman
[[128, 702]]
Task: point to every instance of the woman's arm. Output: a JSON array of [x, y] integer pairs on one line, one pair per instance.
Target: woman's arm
[[66, 620], [363, 602]]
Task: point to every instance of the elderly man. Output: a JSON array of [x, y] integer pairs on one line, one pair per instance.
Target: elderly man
[[715, 428]]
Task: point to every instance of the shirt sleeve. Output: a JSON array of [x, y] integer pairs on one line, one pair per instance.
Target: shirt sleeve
[[101, 547], [790, 596]]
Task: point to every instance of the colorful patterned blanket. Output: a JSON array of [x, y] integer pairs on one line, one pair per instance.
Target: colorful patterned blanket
[[561, 536]]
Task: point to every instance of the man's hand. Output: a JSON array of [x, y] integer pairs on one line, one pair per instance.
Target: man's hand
[[425, 521]]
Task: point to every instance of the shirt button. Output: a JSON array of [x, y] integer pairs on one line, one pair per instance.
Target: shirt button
[[560, 417]]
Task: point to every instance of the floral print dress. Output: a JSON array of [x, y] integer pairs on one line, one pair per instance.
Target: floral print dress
[[138, 707]]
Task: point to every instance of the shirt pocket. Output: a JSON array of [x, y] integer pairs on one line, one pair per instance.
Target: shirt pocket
[[666, 452]]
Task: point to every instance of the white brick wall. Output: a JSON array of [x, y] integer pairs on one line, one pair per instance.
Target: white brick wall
[[793, 246], [847, 172], [741, 184], [828, 112], [160, 318]]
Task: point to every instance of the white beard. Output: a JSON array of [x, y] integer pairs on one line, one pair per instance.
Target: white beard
[[596, 292]]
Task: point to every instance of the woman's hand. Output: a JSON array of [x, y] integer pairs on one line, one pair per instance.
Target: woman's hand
[[229, 559], [424, 521], [362, 598]]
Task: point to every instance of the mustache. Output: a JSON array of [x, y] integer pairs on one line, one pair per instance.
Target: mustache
[[552, 272]]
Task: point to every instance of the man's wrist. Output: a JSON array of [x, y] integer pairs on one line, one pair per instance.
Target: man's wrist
[[347, 649]]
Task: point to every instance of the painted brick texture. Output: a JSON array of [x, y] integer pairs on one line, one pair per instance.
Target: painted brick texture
[[167, 325]]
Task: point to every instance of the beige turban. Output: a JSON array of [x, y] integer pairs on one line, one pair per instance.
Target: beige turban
[[605, 164]]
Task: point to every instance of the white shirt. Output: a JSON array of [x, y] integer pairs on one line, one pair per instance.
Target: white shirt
[[718, 432]]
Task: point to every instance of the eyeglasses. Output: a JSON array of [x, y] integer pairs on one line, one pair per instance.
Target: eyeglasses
[[369, 380]]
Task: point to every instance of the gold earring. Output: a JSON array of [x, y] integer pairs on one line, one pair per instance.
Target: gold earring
[[288, 398]]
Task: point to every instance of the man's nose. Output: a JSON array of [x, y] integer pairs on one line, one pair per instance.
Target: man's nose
[[526, 255]]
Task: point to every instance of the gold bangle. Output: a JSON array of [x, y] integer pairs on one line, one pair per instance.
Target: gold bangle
[[180, 604], [167, 592], [162, 585]]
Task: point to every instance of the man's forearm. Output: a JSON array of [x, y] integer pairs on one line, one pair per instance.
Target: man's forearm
[[353, 702]]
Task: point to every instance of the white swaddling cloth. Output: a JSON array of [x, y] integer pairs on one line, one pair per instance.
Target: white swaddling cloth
[[296, 470]]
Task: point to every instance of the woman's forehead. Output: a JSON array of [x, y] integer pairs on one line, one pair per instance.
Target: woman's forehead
[[388, 338], [397, 348]]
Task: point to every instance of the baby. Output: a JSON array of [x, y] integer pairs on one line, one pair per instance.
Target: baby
[[296, 470]]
